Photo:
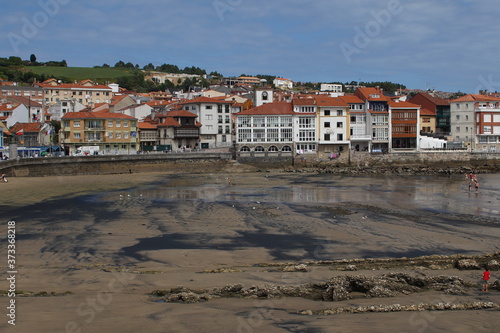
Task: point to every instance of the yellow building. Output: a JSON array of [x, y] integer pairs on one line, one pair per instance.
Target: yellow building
[[113, 133]]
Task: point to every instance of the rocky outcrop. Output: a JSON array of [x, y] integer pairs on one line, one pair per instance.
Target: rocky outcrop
[[399, 308], [336, 289]]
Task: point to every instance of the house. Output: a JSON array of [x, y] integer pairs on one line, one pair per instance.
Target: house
[[32, 93], [377, 117], [57, 110], [11, 113], [284, 84], [404, 125], [32, 134], [179, 129], [360, 137], [148, 136], [138, 111], [331, 87], [85, 92], [266, 128], [439, 106], [215, 115], [333, 125], [488, 125], [113, 133], [35, 109], [427, 121], [464, 111]]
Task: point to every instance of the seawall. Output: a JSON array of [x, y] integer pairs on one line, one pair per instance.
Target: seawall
[[346, 163]]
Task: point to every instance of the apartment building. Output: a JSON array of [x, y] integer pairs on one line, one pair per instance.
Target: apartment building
[[85, 92], [404, 125], [113, 133], [439, 106], [333, 125], [377, 117], [215, 115]]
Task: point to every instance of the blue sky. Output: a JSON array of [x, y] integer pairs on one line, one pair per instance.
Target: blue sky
[[448, 45]]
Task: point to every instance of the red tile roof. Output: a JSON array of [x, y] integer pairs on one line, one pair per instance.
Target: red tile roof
[[330, 101], [351, 99], [169, 122], [406, 105], [27, 127], [202, 99], [96, 115], [369, 94], [476, 98], [427, 112], [279, 108], [181, 113], [146, 126]]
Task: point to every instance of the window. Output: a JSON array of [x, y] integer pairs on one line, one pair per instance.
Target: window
[[327, 137], [327, 124], [208, 107], [245, 148], [110, 135], [340, 137], [118, 135], [110, 123], [264, 96], [340, 112], [340, 124], [327, 112], [76, 123], [125, 135], [77, 135], [259, 148], [118, 123], [125, 123], [209, 117], [458, 129], [227, 120]]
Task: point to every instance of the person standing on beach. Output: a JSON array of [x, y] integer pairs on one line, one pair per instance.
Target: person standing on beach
[[476, 184], [486, 278]]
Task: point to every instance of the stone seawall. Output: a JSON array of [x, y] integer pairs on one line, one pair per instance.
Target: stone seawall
[[93, 165], [353, 163]]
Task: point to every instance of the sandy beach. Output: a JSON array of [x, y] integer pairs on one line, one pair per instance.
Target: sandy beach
[[91, 250]]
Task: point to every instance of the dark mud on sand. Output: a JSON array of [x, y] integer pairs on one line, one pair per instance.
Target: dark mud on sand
[[185, 234]]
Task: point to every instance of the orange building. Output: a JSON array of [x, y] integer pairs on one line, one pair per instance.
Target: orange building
[[113, 133]]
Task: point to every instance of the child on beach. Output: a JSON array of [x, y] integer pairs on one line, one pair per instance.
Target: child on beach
[[3, 178], [486, 278]]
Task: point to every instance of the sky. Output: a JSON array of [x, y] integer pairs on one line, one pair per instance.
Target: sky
[[448, 45]]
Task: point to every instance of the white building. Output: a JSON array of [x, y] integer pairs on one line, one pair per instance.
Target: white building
[[331, 87], [215, 117], [282, 83]]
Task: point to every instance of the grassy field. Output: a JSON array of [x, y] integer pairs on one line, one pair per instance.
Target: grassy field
[[80, 73]]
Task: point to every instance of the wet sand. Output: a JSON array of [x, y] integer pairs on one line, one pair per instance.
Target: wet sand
[[102, 244]]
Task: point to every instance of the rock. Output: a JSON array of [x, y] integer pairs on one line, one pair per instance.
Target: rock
[[296, 268], [467, 264], [493, 265], [350, 268]]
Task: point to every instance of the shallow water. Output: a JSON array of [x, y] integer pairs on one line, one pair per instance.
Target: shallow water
[[437, 194]]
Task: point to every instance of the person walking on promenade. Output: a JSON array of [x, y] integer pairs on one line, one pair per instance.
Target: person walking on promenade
[[486, 278]]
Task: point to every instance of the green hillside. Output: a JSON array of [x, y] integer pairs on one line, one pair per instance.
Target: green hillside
[[80, 73]]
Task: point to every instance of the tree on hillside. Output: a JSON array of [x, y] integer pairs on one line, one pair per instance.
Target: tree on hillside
[[120, 64], [168, 68], [32, 58], [149, 67]]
